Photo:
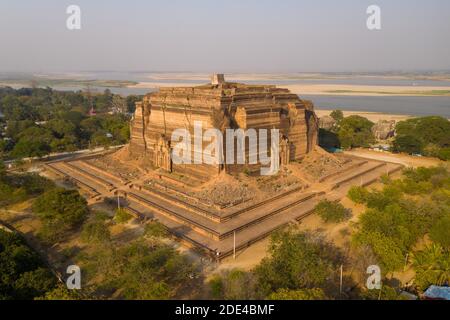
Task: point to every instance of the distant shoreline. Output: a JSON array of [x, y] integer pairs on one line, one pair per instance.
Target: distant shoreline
[[331, 89], [372, 116]]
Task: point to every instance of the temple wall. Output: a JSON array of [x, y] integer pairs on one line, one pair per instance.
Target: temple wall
[[224, 106]]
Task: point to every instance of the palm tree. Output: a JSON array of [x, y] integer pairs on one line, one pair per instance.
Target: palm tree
[[432, 266]]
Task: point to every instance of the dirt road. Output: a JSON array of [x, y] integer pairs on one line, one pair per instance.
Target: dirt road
[[403, 159]]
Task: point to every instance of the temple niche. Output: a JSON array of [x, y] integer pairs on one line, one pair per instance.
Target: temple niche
[[221, 105]]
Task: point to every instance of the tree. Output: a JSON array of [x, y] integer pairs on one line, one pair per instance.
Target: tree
[[131, 102], [440, 232], [331, 211], [424, 135], [387, 293], [122, 216], [356, 131], [296, 261], [156, 230], [22, 272], [358, 194], [34, 283], [60, 292], [95, 232], [137, 271], [408, 144], [59, 210], [33, 142], [233, 285], [337, 115], [432, 267], [303, 294], [385, 248]]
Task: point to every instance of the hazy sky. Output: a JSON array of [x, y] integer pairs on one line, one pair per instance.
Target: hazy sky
[[224, 36]]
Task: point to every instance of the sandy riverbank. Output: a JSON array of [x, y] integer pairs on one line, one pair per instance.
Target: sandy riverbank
[[327, 89], [372, 116], [360, 90]]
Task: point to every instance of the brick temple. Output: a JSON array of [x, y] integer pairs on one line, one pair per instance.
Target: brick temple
[[220, 209], [221, 105]]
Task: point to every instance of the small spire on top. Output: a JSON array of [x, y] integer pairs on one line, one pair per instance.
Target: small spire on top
[[217, 78]]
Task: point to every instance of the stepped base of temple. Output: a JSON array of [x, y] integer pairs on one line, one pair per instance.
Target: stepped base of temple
[[228, 213]]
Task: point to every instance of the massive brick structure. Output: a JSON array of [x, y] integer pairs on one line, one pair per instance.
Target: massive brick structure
[[230, 212], [221, 105]]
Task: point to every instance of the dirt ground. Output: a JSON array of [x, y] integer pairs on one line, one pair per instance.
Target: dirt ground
[[406, 160]]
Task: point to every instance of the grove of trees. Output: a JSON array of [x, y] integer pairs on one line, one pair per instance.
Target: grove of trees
[[299, 265], [403, 212], [38, 121], [59, 210], [348, 132], [429, 136], [23, 275]]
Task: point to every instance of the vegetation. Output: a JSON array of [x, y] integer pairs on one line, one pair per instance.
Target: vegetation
[[350, 132], [331, 211], [429, 136], [440, 231], [37, 122], [355, 131], [432, 266], [60, 210], [122, 216], [138, 270], [305, 294], [15, 188], [337, 115], [299, 266], [96, 232], [155, 229], [23, 274], [402, 213]]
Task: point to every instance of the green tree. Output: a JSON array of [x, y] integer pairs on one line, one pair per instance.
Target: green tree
[[387, 293], [95, 232], [440, 232], [33, 142], [432, 267], [156, 230], [337, 115], [34, 283], [233, 285], [355, 131], [304, 294], [137, 271], [408, 144], [423, 135], [296, 261], [122, 216], [385, 248], [331, 211], [59, 210], [22, 272], [358, 194]]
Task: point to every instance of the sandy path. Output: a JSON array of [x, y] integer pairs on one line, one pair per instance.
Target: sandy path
[[403, 159]]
